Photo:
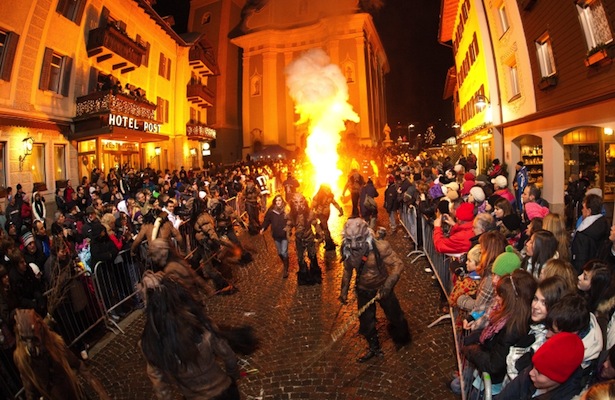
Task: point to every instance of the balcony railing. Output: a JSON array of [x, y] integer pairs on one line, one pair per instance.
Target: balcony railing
[[111, 38], [202, 61], [199, 131], [200, 95], [117, 103]]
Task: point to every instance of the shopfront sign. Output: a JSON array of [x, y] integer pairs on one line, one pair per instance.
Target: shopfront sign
[[133, 123]]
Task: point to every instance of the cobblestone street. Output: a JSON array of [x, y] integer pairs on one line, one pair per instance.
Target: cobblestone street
[[297, 358]]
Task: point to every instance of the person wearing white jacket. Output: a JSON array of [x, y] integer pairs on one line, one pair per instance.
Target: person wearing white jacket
[[39, 209]]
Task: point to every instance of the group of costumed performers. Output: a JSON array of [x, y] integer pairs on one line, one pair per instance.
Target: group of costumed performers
[[182, 346]]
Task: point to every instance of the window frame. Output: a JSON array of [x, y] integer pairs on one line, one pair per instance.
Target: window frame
[[594, 21], [64, 73], [72, 9], [544, 54]]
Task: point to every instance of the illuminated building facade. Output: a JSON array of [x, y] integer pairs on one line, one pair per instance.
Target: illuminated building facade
[[549, 76], [273, 35], [98, 84]]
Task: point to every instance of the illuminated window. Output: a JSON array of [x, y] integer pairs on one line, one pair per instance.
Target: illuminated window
[[503, 18], [59, 157], [544, 52], [37, 163]]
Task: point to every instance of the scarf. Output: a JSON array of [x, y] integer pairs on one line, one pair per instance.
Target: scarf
[[491, 329]]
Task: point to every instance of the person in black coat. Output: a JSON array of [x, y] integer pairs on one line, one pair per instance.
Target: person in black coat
[[369, 213], [391, 202], [591, 235], [101, 246]]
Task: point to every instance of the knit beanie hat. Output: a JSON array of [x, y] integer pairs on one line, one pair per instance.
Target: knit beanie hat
[[559, 356], [512, 222], [500, 181], [534, 210], [478, 194], [27, 238], [452, 195], [465, 212], [506, 262]]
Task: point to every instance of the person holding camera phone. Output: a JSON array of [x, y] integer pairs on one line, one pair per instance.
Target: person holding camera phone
[[458, 239]]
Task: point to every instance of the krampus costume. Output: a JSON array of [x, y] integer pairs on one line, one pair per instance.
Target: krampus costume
[[47, 367], [302, 219], [378, 270], [225, 218], [181, 344], [321, 204], [252, 195], [205, 255]]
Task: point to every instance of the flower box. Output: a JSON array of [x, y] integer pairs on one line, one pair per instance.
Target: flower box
[[547, 81], [599, 56]]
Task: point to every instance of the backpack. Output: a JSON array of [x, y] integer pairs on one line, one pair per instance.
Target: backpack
[[370, 203]]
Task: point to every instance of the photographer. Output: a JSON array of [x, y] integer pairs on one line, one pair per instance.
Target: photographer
[[458, 239]]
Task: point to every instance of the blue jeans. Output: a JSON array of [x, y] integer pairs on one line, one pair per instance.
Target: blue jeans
[[282, 247]]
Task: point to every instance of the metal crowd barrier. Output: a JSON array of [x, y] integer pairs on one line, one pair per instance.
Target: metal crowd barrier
[[115, 283], [410, 222], [186, 229], [420, 230]]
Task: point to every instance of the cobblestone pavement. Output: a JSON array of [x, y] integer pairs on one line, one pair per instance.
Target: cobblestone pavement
[[297, 358]]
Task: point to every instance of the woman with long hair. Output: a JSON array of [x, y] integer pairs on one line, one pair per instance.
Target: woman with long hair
[[492, 244], [276, 218], [508, 324], [181, 344], [556, 224], [548, 292], [541, 247], [563, 268]]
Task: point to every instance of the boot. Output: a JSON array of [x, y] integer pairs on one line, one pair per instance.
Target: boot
[[315, 272], [285, 262], [373, 351], [303, 275]]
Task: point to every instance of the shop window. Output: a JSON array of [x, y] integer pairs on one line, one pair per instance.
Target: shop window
[[55, 74], [59, 157], [544, 53], [8, 47], [37, 163], [71, 9], [594, 22]]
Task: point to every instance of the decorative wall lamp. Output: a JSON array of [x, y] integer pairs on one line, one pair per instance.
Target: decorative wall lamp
[[482, 101], [28, 144], [157, 151], [206, 150], [608, 131], [193, 152]]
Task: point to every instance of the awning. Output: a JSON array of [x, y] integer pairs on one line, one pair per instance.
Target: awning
[[120, 134], [19, 121]]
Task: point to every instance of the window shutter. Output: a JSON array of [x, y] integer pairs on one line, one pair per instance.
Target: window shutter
[[159, 111], [46, 69], [145, 61], [66, 74], [10, 48], [168, 75], [61, 8], [161, 66], [93, 80], [80, 10]]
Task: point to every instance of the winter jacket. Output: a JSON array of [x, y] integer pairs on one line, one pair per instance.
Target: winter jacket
[[391, 201], [277, 219], [458, 240], [368, 190], [587, 241], [522, 388]]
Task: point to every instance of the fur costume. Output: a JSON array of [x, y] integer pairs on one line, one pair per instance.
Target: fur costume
[[303, 221]]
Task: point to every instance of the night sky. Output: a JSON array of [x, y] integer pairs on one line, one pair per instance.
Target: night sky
[[418, 63]]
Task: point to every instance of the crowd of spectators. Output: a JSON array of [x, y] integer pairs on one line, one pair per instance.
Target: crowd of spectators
[[535, 299]]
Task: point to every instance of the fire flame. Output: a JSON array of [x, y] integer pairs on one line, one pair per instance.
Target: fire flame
[[320, 93]]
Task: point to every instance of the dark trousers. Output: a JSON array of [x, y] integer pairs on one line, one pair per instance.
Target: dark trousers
[[398, 326]]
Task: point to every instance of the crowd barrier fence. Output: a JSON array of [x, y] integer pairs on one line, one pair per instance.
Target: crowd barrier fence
[[420, 230], [91, 299]]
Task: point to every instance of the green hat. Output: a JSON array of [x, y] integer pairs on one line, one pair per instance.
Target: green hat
[[155, 194], [506, 262]]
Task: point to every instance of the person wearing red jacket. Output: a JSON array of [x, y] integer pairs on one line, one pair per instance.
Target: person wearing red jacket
[[458, 239]]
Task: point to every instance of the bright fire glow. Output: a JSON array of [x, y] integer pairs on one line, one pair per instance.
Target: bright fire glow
[[320, 93]]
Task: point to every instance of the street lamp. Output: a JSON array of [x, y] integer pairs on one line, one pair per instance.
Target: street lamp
[[482, 101], [27, 144]]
